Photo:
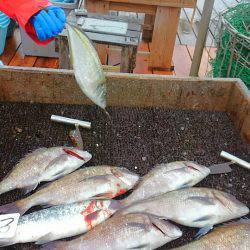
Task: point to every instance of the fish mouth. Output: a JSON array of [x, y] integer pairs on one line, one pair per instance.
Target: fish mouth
[[74, 154]]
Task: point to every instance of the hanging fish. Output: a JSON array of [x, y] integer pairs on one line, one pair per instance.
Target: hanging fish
[[87, 66]]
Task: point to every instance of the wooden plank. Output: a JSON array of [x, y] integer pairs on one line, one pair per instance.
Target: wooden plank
[[142, 64], [208, 54], [162, 72], [164, 3], [100, 7], [41, 85], [164, 37], [238, 107], [12, 44], [45, 62], [182, 60], [19, 60], [114, 56], [147, 34], [139, 8]]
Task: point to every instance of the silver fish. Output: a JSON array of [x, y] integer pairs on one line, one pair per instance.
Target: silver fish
[[60, 222], [99, 182], [164, 178], [231, 236], [87, 67], [193, 207], [133, 231], [44, 164]]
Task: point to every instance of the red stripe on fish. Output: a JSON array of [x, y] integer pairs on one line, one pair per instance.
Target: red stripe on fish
[[121, 191], [72, 153]]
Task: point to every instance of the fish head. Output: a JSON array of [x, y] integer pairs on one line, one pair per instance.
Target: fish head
[[196, 169], [127, 177], [231, 207], [78, 155]]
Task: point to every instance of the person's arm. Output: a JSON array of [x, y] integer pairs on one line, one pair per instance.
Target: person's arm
[[32, 18]]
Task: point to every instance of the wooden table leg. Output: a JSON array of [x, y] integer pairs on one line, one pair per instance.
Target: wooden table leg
[[148, 33], [164, 35], [64, 61], [99, 6], [128, 58]]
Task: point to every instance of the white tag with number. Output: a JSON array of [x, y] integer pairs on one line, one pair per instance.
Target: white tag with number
[[8, 225]]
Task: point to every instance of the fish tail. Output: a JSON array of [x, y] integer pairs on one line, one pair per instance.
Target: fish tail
[[54, 245], [14, 207]]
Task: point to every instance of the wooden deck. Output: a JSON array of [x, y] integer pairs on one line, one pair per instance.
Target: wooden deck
[[183, 53]]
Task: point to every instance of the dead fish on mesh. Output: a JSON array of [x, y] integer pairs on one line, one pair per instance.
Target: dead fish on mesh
[[60, 222], [232, 236], [87, 67], [44, 164], [99, 182], [164, 178], [192, 207], [132, 231]]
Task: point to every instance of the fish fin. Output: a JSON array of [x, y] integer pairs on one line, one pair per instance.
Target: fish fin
[[203, 200], [30, 188], [43, 185], [116, 205], [141, 247], [221, 168], [57, 161], [106, 195], [45, 239], [203, 231], [186, 185], [46, 206], [203, 218], [14, 207]]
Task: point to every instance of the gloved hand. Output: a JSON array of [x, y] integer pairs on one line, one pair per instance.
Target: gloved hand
[[48, 22]]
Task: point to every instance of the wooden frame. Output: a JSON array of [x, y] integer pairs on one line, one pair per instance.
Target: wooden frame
[[52, 86], [158, 14]]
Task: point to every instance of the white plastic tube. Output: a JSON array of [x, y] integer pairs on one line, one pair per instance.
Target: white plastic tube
[[65, 120], [235, 159]]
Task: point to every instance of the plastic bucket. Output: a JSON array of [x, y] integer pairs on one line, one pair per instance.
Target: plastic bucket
[[4, 23]]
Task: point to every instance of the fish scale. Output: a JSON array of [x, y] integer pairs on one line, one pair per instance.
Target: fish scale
[[231, 236], [59, 222], [133, 231], [97, 182], [44, 164], [194, 207]]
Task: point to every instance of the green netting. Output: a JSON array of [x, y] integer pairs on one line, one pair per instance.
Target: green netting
[[233, 44]]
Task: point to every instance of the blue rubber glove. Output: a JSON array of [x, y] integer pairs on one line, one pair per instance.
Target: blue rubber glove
[[48, 22]]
